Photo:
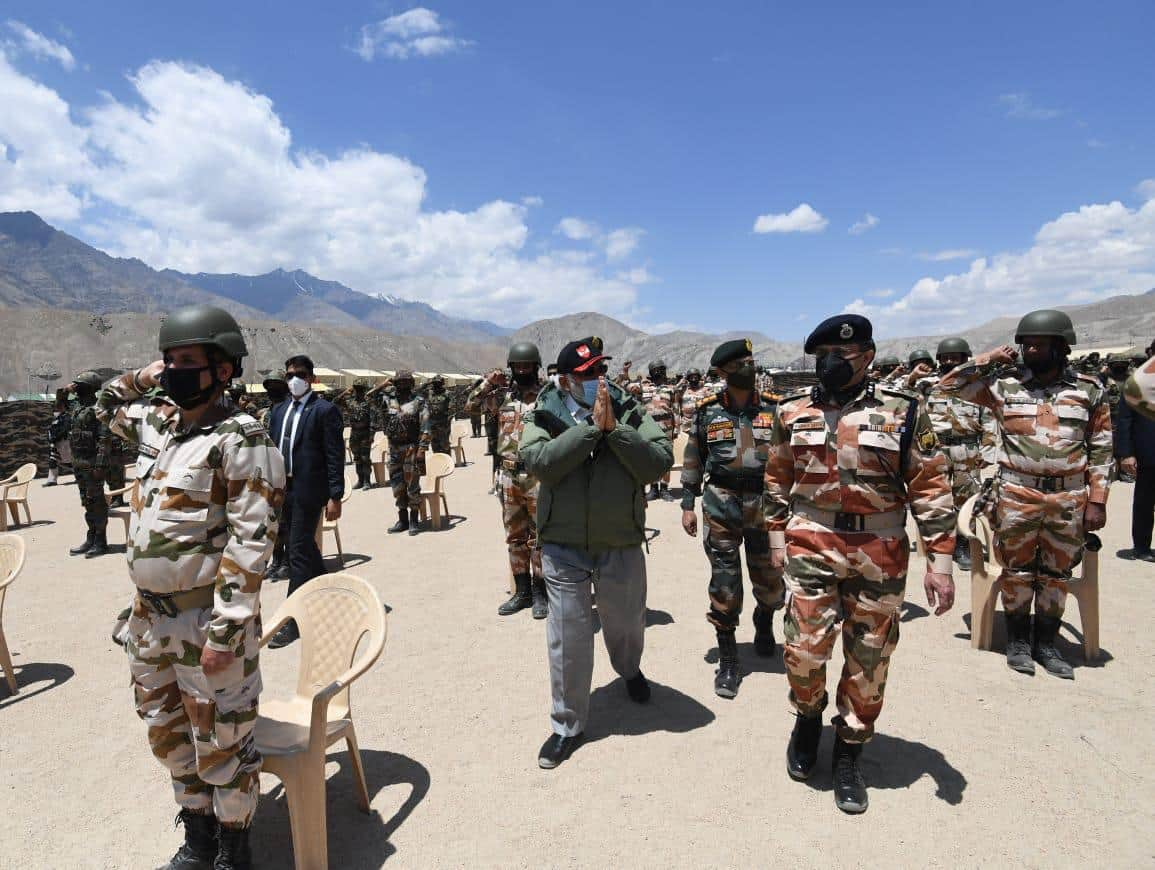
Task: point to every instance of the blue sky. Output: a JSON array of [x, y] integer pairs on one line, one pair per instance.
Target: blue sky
[[517, 160]]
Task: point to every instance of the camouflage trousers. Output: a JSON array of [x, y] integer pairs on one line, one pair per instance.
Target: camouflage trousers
[[439, 434], [200, 727], [519, 515], [1039, 542], [116, 476], [359, 444], [475, 424], [90, 483], [860, 579], [729, 520], [405, 475], [966, 464]]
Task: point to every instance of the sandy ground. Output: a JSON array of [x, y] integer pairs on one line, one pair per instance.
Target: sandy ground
[[973, 764]]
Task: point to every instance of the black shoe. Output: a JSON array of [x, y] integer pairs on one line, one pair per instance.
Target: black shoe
[[414, 521], [402, 524], [117, 501], [520, 599], [728, 677], [1019, 644], [962, 553], [638, 688], [802, 751], [764, 643], [99, 546], [234, 852], [199, 849], [1136, 554], [81, 549], [360, 484], [652, 495], [286, 635], [557, 749], [274, 569], [1044, 651], [540, 599], [849, 786]]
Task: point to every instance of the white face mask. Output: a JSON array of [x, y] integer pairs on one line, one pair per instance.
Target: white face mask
[[298, 387]]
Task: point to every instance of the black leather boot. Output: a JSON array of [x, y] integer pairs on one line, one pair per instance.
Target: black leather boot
[[414, 521], [234, 852], [727, 677], [402, 524], [274, 567], [540, 600], [802, 753], [522, 596], [81, 549], [200, 843], [1019, 644], [99, 546], [1045, 653], [764, 643], [360, 484], [849, 786]]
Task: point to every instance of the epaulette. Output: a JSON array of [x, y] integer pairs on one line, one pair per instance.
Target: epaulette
[[709, 400], [909, 395], [771, 398]]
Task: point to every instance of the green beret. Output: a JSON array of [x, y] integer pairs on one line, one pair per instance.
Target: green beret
[[728, 351]]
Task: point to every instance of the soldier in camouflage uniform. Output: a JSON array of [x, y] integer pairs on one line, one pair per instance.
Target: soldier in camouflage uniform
[[728, 447], [847, 458], [1139, 391], [203, 522], [1054, 472], [1114, 375], [91, 454], [662, 402], [485, 398], [58, 436], [518, 486], [884, 369], [440, 419], [406, 425], [693, 392], [357, 409]]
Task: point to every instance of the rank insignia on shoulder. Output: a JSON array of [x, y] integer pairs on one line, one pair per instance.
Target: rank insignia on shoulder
[[252, 427], [927, 440], [709, 400]]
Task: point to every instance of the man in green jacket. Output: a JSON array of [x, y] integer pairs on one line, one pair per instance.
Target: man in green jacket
[[594, 450]]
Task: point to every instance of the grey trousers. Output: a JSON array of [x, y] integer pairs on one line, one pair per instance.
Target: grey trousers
[[619, 578]]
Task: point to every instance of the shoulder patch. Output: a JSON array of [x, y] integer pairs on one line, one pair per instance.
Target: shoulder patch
[[252, 427], [709, 400], [927, 440]]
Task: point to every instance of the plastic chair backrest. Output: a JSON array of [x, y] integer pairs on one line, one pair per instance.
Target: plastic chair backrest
[[18, 489], [333, 612], [377, 451], [437, 467], [11, 561], [982, 525]]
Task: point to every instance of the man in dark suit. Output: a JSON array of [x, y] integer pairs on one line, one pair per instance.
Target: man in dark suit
[[308, 431]]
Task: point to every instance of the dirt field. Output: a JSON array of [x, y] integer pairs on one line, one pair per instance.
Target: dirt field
[[974, 765]]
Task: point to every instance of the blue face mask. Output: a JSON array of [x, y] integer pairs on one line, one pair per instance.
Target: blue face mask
[[590, 388]]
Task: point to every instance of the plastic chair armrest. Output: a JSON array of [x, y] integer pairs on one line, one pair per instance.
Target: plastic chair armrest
[[282, 618]]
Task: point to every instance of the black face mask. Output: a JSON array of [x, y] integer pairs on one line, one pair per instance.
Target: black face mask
[[834, 372], [694, 382], [404, 390], [1118, 374], [1051, 361], [184, 386], [277, 395], [525, 379], [943, 368], [359, 392], [86, 396], [742, 378]]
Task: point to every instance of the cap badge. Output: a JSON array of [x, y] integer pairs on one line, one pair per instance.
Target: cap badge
[[583, 351], [749, 347], [846, 332]]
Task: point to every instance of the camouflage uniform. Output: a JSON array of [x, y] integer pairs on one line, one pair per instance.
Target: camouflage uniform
[[57, 434], [406, 426], [518, 486], [691, 398], [488, 401], [440, 420], [91, 453], [838, 482], [1054, 456], [1139, 390], [203, 523], [358, 413], [728, 445], [959, 427], [662, 403]]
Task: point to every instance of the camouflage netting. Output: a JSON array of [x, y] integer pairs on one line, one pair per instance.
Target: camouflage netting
[[24, 434]]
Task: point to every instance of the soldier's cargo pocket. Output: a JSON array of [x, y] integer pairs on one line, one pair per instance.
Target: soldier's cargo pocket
[[184, 502], [235, 703], [1072, 421], [1020, 419]]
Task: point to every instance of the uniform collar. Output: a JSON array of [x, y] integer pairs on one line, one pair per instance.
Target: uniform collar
[[865, 391]]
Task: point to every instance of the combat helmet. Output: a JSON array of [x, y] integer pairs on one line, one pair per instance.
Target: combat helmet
[[919, 355], [524, 352], [204, 324], [888, 361], [89, 379], [657, 365], [952, 345], [694, 373], [1046, 321]]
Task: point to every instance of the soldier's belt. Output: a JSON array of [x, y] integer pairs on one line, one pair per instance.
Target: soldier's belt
[[176, 602], [1045, 482], [959, 440], [846, 522], [737, 482]]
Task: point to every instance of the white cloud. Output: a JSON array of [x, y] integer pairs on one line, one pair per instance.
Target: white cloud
[[868, 222], [803, 219], [1019, 105], [1097, 251], [1146, 188], [40, 46], [1096, 143], [532, 201], [616, 244], [576, 229], [948, 255], [620, 243], [199, 174], [419, 32], [638, 276], [884, 293]]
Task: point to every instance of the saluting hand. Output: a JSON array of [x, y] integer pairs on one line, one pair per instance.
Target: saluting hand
[[1005, 355], [150, 375]]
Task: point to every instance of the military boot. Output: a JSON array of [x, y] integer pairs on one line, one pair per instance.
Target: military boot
[[234, 852], [1019, 644], [414, 521], [849, 786], [117, 501], [802, 753], [540, 600], [402, 523], [728, 676], [360, 484], [522, 596], [764, 643], [1045, 653], [99, 546], [81, 549], [51, 481], [962, 553], [200, 843]]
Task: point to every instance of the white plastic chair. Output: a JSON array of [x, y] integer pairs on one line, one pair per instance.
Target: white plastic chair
[[324, 525], [122, 513], [438, 466], [11, 561], [14, 492], [377, 459], [681, 439], [333, 613], [459, 452]]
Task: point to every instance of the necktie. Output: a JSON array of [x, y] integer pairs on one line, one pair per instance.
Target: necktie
[[287, 437]]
